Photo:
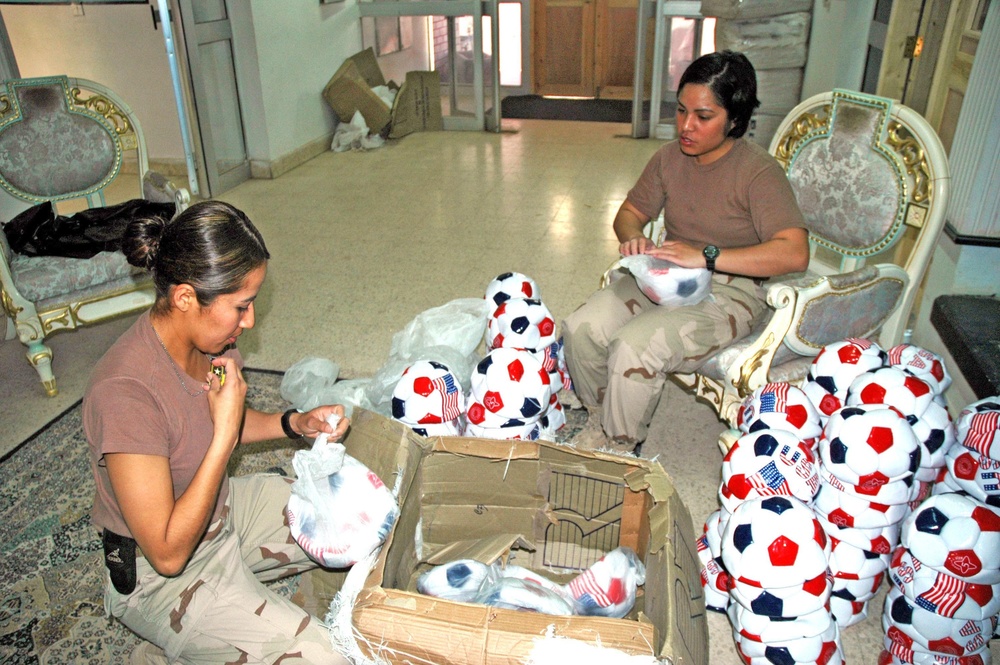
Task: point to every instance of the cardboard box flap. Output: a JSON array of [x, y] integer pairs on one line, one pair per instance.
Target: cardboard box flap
[[417, 107], [490, 448], [485, 550], [367, 66]]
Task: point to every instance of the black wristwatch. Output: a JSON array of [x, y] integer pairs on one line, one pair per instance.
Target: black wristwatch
[[711, 253]]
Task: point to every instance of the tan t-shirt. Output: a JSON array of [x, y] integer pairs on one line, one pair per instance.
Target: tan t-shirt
[[741, 199], [134, 403]]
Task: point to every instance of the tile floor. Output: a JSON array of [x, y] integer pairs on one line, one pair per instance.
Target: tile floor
[[364, 241]]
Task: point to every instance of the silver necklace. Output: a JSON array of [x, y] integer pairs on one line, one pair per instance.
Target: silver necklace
[[173, 365]]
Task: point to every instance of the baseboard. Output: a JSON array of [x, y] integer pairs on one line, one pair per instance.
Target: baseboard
[[264, 169], [168, 167]]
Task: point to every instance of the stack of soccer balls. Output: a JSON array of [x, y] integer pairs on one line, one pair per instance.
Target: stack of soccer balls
[[946, 575]]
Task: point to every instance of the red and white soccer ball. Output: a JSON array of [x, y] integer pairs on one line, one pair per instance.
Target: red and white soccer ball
[[935, 431], [942, 593], [774, 542], [714, 579], [554, 417], [879, 539], [972, 473], [853, 563], [957, 535], [892, 387], [848, 612], [858, 590], [914, 627], [509, 384], [784, 602], [510, 285], [869, 445], [780, 406], [900, 491], [767, 463], [921, 363], [848, 510], [429, 398], [835, 367], [978, 427], [521, 323], [822, 649], [897, 654], [764, 629]]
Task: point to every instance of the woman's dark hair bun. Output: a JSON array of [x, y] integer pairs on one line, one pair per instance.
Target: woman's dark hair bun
[[141, 241]]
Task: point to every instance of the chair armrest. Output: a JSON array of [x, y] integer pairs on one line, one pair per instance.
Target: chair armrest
[[750, 368], [156, 187]]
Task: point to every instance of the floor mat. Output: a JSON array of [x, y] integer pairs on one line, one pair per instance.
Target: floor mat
[[536, 107]]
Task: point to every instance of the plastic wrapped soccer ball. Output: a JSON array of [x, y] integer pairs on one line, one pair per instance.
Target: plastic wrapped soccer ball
[[835, 367], [762, 628], [954, 534], [774, 542], [853, 563], [921, 363], [767, 463], [509, 383], [935, 431], [822, 649], [521, 323], [427, 395], [510, 285], [784, 602], [458, 580], [978, 427], [869, 445], [666, 283], [915, 628], [893, 387], [941, 593], [848, 510], [780, 406], [975, 474]]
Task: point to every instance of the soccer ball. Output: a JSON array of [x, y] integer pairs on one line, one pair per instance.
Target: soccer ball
[[942, 593], [774, 542], [892, 387], [848, 612], [954, 534], [712, 531], [858, 590], [897, 653], [428, 394], [510, 285], [767, 463], [835, 367], [935, 431], [765, 629], [508, 383], [554, 417], [922, 364], [714, 578], [513, 431], [869, 445], [900, 491], [915, 628], [458, 580], [848, 510], [974, 474], [822, 649], [667, 283], [784, 602], [848, 562], [780, 406], [978, 427], [880, 539], [521, 323]]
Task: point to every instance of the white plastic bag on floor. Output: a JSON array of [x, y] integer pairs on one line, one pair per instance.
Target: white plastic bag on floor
[[666, 283], [339, 511], [355, 135]]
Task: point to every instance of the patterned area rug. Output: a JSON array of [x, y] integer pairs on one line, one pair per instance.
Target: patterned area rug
[[51, 598]]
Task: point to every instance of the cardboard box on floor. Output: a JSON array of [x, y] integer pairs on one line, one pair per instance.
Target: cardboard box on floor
[[417, 106], [542, 506]]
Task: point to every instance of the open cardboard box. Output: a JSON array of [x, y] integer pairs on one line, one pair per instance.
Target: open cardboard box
[[543, 506]]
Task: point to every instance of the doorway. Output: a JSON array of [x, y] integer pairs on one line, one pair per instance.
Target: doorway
[[584, 48]]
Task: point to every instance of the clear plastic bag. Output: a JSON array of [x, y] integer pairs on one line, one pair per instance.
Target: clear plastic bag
[[307, 383], [666, 283]]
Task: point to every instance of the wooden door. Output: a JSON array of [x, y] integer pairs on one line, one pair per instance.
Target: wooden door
[[584, 48]]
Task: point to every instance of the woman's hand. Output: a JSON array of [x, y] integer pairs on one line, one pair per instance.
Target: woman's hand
[[678, 253], [313, 423], [226, 398]]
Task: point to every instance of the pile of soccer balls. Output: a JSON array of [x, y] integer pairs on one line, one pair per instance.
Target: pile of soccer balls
[[818, 490], [514, 388]]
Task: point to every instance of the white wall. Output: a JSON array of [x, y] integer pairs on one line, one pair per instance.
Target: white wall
[[838, 44]]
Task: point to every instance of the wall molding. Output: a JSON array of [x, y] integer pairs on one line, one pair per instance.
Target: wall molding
[[270, 169]]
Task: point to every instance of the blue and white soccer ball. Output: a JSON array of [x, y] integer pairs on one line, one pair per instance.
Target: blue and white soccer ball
[[429, 398], [458, 580], [509, 285], [935, 431], [666, 283]]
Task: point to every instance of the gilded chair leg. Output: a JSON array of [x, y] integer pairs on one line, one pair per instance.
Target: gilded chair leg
[[40, 357]]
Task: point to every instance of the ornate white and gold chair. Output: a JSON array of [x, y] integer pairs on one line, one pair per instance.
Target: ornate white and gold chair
[[64, 139]]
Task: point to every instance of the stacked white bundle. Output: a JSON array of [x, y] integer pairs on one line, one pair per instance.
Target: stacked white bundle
[[943, 606]]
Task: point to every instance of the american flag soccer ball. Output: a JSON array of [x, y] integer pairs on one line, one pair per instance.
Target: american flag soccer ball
[[970, 472], [978, 427], [853, 563], [892, 387], [895, 653], [955, 534], [508, 383], [774, 542], [509, 285], [780, 406], [427, 394], [822, 649], [921, 363], [942, 593], [762, 628], [767, 463], [899, 491], [521, 323], [879, 539], [848, 510], [913, 627], [714, 578], [869, 445], [835, 367]]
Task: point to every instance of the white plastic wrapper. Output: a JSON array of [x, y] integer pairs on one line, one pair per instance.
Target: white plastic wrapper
[[746, 9], [459, 580], [774, 42], [667, 284], [339, 512], [355, 135], [609, 586], [307, 382], [514, 593]]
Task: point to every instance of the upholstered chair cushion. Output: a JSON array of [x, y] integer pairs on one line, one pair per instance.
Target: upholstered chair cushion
[[43, 277]]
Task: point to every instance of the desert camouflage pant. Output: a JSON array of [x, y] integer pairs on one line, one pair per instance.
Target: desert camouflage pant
[[218, 610], [620, 346]]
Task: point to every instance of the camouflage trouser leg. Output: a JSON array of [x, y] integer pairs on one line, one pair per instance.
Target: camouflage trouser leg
[[217, 610], [620, 346]]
